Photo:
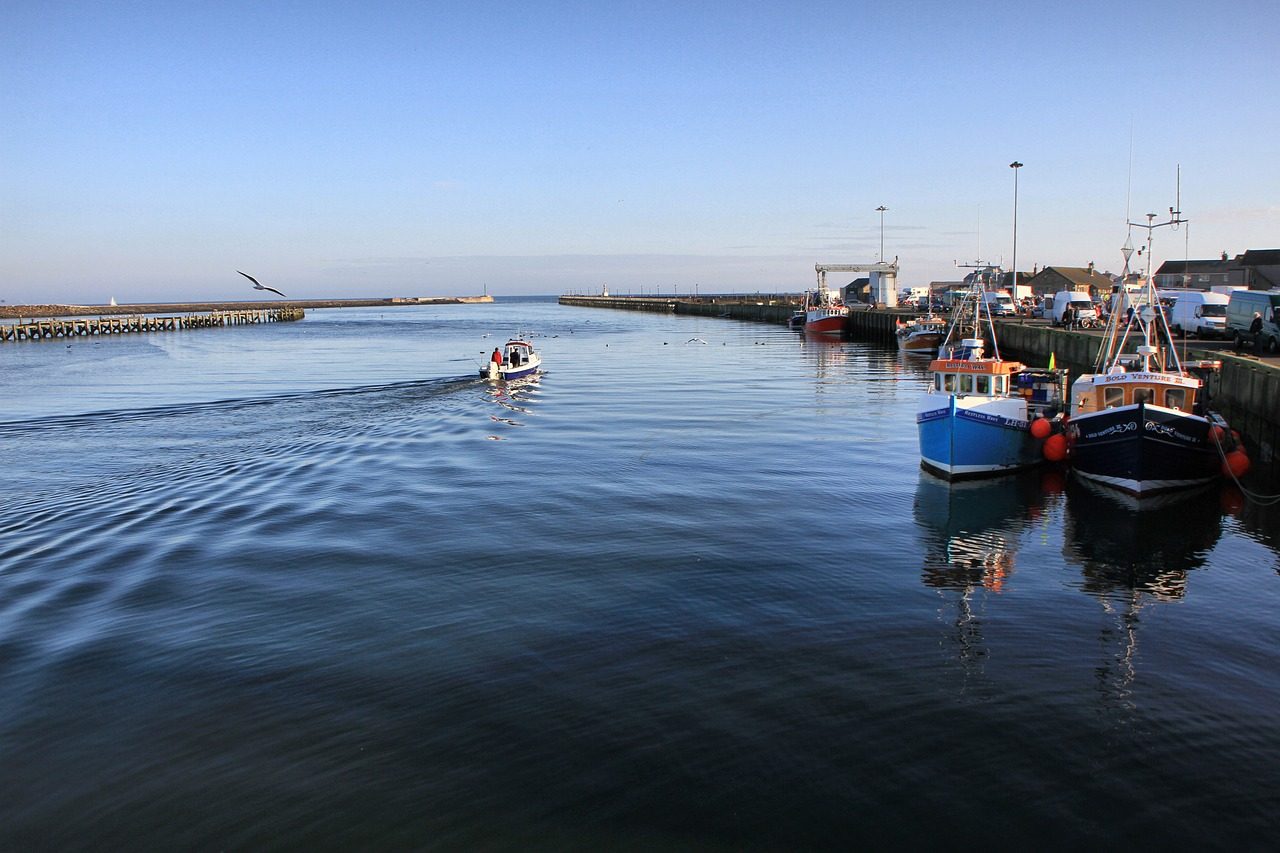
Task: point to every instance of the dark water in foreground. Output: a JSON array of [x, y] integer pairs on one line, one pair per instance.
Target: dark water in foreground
[[310, 585]]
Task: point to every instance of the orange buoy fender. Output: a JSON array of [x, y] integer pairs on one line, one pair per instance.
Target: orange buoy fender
[[1040, 428], [1055, 448], [1236, 464]]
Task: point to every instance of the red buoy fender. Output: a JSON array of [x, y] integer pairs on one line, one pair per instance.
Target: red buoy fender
[[1236, 464]]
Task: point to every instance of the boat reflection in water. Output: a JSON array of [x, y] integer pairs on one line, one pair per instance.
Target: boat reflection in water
[[971, 527], [828, 355], [970, 531], [1127, 545], [1134, 553], [517, 398]]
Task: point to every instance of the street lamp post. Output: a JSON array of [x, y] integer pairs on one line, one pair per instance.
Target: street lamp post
[[1015, 165], [882, 209]]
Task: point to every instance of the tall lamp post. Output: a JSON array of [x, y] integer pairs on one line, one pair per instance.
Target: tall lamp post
[[882, 209], [1015, 165]]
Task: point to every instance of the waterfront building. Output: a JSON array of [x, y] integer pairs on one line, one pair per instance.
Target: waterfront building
[[1256, 269], [1051, 280]]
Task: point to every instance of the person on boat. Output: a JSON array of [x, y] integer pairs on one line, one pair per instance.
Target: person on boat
[[1255, 329], [497, 356]]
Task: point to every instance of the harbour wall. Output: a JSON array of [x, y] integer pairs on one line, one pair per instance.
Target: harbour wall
[[1246, 391], [865, 325]]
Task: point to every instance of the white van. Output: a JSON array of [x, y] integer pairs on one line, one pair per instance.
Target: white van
[[1197, 313], [1081, 302], [999, 303], [1240, 310]]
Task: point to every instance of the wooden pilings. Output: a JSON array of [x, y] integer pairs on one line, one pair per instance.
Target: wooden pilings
[[72, 327]]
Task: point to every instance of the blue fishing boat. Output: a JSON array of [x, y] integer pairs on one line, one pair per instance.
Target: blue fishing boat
[[984, 415]]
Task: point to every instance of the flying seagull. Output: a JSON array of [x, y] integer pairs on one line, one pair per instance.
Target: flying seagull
[[257, 286]]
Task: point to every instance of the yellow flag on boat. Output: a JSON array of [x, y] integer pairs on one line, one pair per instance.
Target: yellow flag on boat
[[1051, 361]]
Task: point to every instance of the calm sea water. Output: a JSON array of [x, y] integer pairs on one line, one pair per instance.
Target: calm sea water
[[313, 585]]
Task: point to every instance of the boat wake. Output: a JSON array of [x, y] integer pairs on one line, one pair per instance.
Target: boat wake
[[416, 389]]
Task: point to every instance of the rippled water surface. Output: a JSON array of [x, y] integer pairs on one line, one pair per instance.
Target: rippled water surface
[[313, 585]]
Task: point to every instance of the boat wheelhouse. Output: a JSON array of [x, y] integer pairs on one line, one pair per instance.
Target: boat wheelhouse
[[515, 359], [922, 336]]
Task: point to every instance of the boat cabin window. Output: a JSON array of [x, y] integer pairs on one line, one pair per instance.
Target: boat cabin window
[[966, 384], [950, 382], [1001, 384], [1176, 398], [1112, 397], [982, 384], [1144, 395]]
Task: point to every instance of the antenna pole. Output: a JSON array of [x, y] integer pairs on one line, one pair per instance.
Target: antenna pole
[[1128, 191], [1015, 165], [979, 233]]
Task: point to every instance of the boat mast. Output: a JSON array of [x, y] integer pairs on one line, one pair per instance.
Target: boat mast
[[1119, 299], [1156, 316], [961, 321]]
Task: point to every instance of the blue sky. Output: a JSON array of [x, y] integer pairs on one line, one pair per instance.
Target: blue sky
[[149, 150]]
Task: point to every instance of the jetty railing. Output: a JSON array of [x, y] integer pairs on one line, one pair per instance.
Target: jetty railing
[[75, 327]]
